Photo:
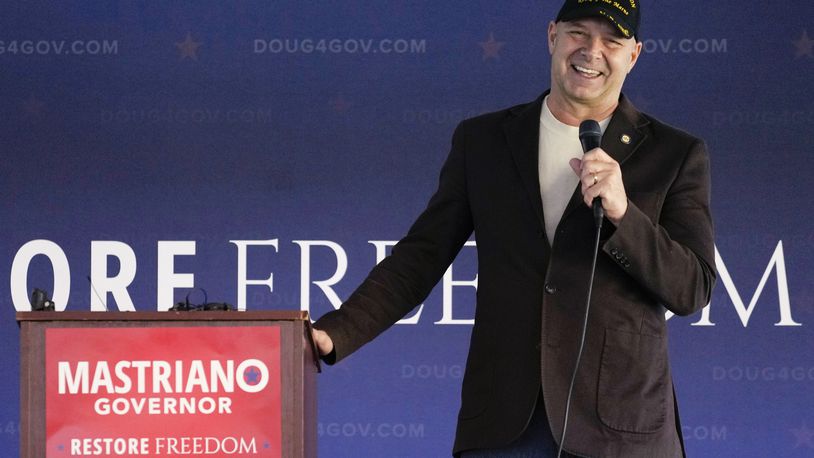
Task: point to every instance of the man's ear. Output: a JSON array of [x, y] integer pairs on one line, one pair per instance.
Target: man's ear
[[552, 36], [634, 57]]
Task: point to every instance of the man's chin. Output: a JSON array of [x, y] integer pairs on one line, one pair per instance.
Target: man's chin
[[587, 96]]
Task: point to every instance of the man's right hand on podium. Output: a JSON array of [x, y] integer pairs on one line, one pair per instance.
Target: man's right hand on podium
[[324, 343]]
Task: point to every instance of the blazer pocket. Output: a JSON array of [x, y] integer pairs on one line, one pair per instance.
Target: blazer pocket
[[631, 394], [476, 387]]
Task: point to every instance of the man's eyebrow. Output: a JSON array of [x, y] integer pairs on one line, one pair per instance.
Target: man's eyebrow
[[608, 34], [575, 24]]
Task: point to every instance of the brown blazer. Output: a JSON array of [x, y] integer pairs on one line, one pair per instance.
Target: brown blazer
[[531, 294]]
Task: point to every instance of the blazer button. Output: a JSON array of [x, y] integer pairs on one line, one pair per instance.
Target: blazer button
[[614, 251], [550, 289]]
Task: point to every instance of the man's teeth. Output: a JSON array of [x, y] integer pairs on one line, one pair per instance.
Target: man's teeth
[[587, 71]]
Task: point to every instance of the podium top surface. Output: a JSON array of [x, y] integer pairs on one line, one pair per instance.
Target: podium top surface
[[254, 315]]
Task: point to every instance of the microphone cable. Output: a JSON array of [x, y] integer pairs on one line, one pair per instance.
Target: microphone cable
[[582, 337]]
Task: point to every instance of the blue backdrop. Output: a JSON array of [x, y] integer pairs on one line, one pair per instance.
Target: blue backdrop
[[322, 126]]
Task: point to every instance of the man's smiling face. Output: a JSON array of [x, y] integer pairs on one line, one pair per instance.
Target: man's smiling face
[[589, 62]]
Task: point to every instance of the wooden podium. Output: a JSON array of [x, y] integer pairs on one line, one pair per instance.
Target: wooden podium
[[115, 388]]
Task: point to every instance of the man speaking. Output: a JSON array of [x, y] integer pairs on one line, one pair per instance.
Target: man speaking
[[519, 180]]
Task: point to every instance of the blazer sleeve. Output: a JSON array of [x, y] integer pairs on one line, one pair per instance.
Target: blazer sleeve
[[673, 259], [416, 263]]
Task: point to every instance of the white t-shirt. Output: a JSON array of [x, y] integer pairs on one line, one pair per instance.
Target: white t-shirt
[[558, 144]]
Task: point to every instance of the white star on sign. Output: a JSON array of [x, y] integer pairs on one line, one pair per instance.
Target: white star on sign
[[491, 47], [188, 48], [804, 436], [804, 45]]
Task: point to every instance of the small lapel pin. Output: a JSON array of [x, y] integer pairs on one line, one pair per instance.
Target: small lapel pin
[[625, 139]]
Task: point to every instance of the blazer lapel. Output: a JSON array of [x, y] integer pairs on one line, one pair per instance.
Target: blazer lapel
[[621, 139], [522, 135]]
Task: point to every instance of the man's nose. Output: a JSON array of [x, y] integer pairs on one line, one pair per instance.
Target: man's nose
[[593, 48]]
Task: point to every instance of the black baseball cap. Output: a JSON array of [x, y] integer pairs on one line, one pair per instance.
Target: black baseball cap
[[622, 14]]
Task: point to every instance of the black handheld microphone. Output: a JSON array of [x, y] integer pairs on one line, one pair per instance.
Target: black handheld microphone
[[590, 135]]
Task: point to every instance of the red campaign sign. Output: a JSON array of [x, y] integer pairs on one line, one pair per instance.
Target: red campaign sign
[[212, 391]]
